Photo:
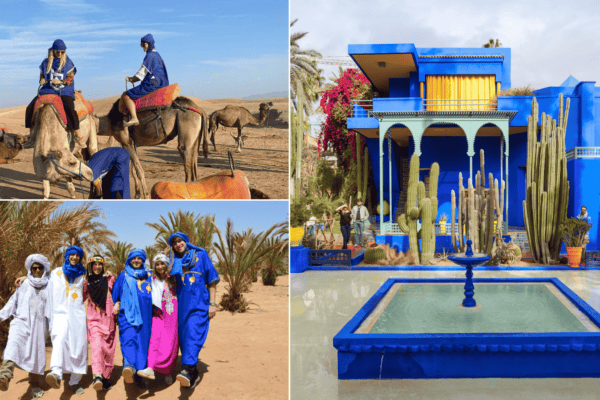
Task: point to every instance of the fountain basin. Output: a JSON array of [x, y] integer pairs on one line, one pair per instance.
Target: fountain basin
[[414, 329]]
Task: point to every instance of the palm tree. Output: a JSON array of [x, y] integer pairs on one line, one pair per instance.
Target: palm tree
[[151, 251], [91, 236], [28, 227], [492, 44], [199, 229], [274, 262], [116, 256], [303, 71], [236, 255]]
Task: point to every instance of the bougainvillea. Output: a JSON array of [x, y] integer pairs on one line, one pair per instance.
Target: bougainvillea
[[336, 103]]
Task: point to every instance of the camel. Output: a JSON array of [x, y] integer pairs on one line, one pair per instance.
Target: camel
[[10, 145], [52, 157], [233, 116], [159, 127]]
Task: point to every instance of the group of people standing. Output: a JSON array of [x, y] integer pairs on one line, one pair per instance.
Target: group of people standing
[[158, 312]]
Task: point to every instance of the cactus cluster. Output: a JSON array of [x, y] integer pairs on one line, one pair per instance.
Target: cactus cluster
[[480, 212], [421, 208], [547, 196], [374, 255]]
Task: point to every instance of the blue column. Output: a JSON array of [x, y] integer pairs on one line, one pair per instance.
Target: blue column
[[587, 114]]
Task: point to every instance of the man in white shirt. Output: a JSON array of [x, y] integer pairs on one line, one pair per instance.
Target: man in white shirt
[[359, 215]]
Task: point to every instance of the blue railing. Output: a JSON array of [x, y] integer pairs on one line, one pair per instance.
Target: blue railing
[[330, 257]]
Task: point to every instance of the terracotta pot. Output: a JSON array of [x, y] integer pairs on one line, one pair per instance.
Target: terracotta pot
[[574, 255]]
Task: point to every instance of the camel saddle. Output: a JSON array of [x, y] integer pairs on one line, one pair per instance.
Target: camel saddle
[[82, 106], [219, 186], [158, 98]]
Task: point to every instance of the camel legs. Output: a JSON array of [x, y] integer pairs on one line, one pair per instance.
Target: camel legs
[[212, 139], [141, 190], [188, 149], [71, 188], [46, 186]]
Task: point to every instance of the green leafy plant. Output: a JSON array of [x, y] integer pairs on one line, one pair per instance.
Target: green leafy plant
[[573, 232]]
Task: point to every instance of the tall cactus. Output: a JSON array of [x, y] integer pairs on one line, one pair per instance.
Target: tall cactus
[[420, 207], [478, 211], [547, 187]]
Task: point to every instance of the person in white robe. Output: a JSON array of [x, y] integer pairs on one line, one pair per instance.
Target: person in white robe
[[66, 312], [26, 346]]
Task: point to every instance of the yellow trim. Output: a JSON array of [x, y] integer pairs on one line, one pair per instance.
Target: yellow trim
[[498, 89], [422, 89]]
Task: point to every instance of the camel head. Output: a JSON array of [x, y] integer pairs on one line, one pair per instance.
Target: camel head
[[12, 140], [61, 164], [264, 110]]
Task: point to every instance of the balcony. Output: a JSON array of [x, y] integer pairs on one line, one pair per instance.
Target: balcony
[[365, 108]]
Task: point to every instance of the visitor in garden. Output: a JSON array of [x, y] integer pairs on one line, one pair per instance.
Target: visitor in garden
[[197, 281], [345, 223], [311, 225], [359, 215], [101, 321], [164, 342], [26, 345], [310, 204], [133, 304], [66, 312], [583, 215]]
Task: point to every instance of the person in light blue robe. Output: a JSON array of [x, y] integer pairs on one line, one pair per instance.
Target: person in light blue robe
[[133, 302], [196, 279]]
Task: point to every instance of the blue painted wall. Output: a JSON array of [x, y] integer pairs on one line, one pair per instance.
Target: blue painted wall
[[399, 87], [373, 146], [584, 178]]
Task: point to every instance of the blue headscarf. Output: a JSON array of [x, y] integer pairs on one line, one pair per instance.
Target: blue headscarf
[[58, 45], [129, 299], [188, 259], [150, 40], [73, 271]]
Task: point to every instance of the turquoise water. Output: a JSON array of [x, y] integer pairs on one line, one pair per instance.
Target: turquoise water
[[504, 308]]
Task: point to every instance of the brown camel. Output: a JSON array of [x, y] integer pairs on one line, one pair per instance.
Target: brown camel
[[159, 126], [233, 116], [52, 157], [10, 145]]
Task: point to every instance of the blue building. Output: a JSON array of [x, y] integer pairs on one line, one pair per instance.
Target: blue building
[[443, 104]]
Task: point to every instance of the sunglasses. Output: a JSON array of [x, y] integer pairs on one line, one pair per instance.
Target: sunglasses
[[38, 268], [60, 51]]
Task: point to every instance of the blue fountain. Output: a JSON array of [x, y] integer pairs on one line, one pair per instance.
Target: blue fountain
[[469, 260]]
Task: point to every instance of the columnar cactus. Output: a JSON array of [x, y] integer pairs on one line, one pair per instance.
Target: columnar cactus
[[478, 211], [374, 255], [547, 195], [420, 207]]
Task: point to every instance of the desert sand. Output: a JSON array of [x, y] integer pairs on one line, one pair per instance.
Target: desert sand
[[245, 357], [264, 158]]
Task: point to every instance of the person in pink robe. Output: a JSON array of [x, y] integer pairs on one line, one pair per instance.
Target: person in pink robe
[[101, 322], [164, 341]]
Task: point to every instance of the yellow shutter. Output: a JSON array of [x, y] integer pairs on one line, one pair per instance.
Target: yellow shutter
[[460, 92]]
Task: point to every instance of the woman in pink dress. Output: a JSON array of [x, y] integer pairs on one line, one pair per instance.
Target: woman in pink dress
[[164, 342], [101, 322]]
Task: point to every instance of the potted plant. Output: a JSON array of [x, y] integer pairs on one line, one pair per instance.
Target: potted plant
[[443, 219], [573, 231]]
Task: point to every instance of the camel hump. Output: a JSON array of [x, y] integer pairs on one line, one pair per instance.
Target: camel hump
[[158, 98], [218, 186]]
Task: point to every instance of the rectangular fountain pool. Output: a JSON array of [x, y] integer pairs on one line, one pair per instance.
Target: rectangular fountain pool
[[417, 328]]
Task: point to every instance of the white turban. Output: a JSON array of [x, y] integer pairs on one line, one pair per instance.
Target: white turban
[[161, 257], [42, 260]]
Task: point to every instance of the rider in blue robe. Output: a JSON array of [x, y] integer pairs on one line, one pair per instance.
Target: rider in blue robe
[[153, 75], [132, 290], [111, 172], [58, 81], [194, 273]]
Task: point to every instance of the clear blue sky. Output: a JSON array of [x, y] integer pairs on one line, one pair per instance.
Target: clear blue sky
[[213, 49], [127, 219]]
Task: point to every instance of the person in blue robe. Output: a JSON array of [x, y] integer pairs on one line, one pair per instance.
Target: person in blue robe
[[153, 75], [57, 76], [111, 174], [197, 280], [133, 303]]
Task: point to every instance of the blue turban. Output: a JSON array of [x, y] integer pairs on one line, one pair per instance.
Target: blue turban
[[73, 271], [150, 40], [58, 45], [188, 259], [129, 300]]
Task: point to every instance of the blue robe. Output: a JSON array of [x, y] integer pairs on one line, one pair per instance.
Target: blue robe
[[135, 342], [156, 78], [112, 165], [194, 300], [48, 88]]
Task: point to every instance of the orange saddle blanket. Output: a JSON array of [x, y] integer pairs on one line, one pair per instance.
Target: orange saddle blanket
[[160, 97], [82, 106], [218, 186]]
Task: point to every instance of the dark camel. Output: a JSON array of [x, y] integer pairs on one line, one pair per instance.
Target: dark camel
[[177, 121], [233, 116], [10, 145]]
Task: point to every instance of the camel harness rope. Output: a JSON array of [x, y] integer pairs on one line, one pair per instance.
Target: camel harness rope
[[80, 176]]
